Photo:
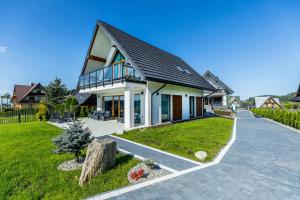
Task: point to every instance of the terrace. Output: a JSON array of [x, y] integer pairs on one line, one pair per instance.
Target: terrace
[[115, 73]]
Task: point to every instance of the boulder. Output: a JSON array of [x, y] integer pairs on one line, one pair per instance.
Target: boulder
[[100, 156], [201, 155]]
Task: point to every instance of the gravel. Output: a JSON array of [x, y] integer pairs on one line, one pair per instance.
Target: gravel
[[149, 173], [71, 165]]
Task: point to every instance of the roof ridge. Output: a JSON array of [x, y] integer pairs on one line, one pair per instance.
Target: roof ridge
[[102, 22]]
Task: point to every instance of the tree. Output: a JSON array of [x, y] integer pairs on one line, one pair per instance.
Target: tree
[[56, 92], [74, 139], [43, 113]]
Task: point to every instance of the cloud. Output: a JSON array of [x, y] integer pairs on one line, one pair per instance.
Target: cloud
[[3, 49]]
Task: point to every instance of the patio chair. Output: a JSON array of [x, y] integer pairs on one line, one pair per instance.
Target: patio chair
[[106, 115], [97, 115], [67, 117], [55, 117]]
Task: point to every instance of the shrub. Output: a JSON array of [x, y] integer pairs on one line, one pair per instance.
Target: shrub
[[43, 113], [283, 116], [74, 139]]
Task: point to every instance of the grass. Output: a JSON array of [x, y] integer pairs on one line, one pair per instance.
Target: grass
[[186, 138], [28, 167]]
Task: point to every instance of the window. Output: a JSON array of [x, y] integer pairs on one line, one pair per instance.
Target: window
[[137, 108], [179, 68], [192, 107], [118, 57], [187, 71], [165, 108]]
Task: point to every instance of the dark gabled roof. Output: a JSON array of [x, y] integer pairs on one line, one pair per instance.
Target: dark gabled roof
[[21, 91], [153, 63], [208, 74], [297, 97]]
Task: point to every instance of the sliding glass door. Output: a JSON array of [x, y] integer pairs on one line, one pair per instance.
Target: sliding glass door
[[165, 108]]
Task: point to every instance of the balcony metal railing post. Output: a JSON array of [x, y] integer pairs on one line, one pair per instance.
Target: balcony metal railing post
[[112, 74]]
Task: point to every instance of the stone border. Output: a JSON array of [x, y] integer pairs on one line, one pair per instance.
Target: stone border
[[127, 189]]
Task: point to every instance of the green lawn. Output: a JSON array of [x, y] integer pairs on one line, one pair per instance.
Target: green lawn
[[186, 138], [28, 167]]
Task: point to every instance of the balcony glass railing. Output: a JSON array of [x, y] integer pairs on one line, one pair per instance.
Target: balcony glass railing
[[108, 75]]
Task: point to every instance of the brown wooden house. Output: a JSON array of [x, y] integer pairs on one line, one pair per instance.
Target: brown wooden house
[[25, 96]]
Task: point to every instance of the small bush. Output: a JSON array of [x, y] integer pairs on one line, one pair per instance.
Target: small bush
[[43, 113], [74, 139]]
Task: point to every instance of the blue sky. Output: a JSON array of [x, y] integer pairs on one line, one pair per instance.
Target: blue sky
[[253, 46]]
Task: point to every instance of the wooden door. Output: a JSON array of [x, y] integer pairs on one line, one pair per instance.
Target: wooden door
[[177, 107], [199, 106]]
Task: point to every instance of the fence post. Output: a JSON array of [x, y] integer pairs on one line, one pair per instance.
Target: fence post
[[25, 114], [19, 117]]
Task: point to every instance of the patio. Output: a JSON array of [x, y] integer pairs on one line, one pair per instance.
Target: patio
[[101, 128]]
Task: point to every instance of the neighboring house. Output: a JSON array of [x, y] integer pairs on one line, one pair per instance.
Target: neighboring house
[[297, 97], [218, 98], [266, 102], [27, 95], [138, 82]]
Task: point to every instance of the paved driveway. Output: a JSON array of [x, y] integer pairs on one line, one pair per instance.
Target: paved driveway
[[263, 163]]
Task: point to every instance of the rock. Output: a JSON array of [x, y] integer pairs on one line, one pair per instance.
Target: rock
[[100, 156], [201, 155]]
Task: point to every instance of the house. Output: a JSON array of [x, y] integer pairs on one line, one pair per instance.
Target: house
[[266, 102], [27, 95], [297, 97], [86, 99], [139, 83], [218, 98]]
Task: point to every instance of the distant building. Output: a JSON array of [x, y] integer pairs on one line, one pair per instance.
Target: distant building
[[297, 97], [218, 98], [267, 102], [27, 95]]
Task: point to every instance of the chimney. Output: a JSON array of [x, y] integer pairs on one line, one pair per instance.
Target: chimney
[[32, 84]]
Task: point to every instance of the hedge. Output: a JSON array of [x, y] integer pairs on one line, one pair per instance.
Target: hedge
[[286, 117]]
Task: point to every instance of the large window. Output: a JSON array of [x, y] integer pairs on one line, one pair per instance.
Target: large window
[[165, 108], [107, 103], [192, 107], [137, 108]]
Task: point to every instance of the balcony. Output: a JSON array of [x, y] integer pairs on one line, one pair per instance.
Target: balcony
[[118, 72]]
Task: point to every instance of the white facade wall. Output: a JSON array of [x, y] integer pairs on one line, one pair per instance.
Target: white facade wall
[[185, 92]]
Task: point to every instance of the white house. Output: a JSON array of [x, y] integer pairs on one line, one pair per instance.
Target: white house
[[140, 83], [218, 98]]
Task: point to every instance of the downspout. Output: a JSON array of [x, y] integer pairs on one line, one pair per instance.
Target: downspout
[[164, 85]]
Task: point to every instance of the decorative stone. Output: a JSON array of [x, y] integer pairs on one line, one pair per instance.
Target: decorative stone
[[71, 165], [201, 155], [149, 173], [100, 156]]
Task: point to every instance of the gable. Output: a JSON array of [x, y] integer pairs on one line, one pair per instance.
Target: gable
[[216, 82], [153, 63]]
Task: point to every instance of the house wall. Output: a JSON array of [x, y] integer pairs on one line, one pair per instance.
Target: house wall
[[185, 92]]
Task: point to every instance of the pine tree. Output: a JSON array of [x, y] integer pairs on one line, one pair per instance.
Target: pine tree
[[74, 139], [56, 92]]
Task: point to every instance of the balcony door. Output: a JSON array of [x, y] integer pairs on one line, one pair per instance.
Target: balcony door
[[165, 108], [114, 104]]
